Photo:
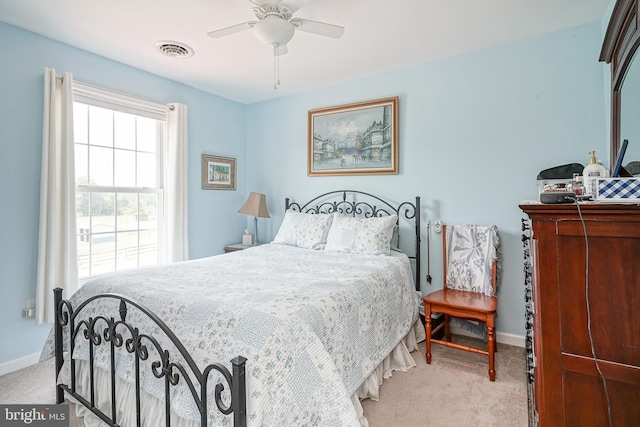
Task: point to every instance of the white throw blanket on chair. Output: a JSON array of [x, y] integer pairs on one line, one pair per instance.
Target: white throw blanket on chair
[[471, 250]]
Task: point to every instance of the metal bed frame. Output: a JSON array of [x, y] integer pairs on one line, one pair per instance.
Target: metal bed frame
[[367, 208], [103, 330], [100, 329]]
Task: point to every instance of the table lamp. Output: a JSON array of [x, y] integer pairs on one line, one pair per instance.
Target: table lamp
[[255, 206]]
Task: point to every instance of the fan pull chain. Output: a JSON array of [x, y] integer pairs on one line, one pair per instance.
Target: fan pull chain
[[276, 79], [278, 70], [275, 86], [276, 66]]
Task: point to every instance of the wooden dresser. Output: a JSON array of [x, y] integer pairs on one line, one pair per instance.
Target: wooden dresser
[[567, 388]]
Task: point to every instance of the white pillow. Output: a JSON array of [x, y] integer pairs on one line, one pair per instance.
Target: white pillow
[[307, 231], [371, 236]]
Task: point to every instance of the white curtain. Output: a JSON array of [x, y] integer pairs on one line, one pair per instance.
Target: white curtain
[[175, 245], [57, 251]]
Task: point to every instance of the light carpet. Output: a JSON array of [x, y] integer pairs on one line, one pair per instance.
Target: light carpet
[[454, 390]]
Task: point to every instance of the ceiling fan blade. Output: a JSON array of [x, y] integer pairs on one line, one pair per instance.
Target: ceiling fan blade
[[320, 28], [295, 5], [222, 32]]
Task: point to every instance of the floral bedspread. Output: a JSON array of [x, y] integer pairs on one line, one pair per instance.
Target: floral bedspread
[[313, 325]]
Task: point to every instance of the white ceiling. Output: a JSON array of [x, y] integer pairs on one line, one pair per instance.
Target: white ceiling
[[380, 35]]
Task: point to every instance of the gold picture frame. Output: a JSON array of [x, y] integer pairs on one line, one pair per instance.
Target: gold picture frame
[[354, 139], [218, 173]]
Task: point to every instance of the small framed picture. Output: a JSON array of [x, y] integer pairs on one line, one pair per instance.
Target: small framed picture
[[218, 173]]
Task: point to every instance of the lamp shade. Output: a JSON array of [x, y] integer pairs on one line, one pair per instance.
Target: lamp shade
[[256, 206]]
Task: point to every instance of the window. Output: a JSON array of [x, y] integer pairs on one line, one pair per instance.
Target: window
[[118, 170]]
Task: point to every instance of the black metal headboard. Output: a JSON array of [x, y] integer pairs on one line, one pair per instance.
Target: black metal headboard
[[360, 204]]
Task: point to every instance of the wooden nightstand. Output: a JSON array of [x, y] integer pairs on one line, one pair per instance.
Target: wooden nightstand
[[237, 247]]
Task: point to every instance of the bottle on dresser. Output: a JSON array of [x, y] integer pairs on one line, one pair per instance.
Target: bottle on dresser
[[590, 175], [576, 185]]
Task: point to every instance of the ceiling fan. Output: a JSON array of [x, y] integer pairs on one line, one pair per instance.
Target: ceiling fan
[[276, 26]]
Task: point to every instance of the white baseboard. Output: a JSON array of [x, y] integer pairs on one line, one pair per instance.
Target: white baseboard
[[510, 339], [17, 364], [501, 337]]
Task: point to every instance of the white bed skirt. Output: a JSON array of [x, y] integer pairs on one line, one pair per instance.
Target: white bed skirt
[[153, 409], [398, 360]]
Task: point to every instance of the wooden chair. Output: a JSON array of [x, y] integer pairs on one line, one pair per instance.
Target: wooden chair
[[463, 304]]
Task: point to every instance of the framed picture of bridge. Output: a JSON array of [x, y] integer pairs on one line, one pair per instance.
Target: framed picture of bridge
[[354, 139]]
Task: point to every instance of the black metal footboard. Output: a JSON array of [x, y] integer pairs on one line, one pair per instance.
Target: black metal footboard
[[109, 331]]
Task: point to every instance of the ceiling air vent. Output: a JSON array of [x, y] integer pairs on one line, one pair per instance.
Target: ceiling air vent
[[174, 49]]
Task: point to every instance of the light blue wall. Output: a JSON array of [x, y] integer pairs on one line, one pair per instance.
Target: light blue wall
[[216, 126], [475, 130]]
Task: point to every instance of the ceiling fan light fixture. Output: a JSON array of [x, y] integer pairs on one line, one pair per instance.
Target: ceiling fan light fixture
[[275, 27], [274, 30]]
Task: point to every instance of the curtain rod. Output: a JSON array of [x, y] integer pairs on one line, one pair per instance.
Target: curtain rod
[[60, 78]]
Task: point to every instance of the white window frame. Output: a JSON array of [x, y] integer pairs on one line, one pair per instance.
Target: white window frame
[[100, 97]]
